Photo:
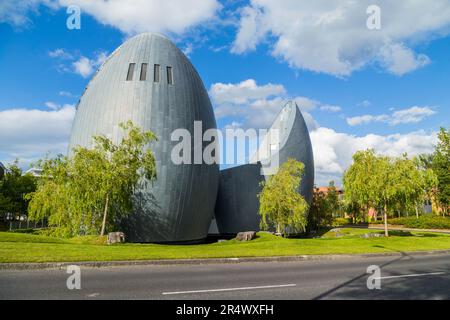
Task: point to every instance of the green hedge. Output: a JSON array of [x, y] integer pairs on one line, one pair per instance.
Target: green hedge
[[423, 222], [337, 222]]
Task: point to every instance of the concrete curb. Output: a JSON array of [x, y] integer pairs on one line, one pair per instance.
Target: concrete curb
[[100, 264]]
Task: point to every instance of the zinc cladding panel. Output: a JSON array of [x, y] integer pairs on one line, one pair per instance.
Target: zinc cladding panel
[[169, 209]]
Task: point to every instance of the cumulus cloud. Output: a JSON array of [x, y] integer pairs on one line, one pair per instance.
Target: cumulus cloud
[[85, 66], [399, 59], [67, 94], [365, 103], [333, 150], [28, 134], [330, 108], [129, 16], [244, 91], [331, 36], [256, 105], [411, 115], [60, 53], [15, 12], [75, 63]]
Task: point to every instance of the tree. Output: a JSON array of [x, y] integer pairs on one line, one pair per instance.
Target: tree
[[441, 167], [281, 203], [93, 188], [319, 213], [359, 183], [13, 187], [390, 184], [369, 182], [332, 199]]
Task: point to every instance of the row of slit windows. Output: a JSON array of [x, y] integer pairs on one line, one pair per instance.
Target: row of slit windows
[[144, 69]]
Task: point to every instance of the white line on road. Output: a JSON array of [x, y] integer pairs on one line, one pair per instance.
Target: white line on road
[[412, 275], [231, 289]]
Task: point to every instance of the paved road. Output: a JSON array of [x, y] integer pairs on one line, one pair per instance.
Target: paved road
[[406, 277]]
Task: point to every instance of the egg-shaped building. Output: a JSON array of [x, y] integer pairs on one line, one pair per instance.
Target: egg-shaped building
[[150, 81], [237, 203], [294, 142]]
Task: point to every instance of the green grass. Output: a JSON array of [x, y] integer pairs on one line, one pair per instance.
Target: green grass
[[423, 222], [19, 247]]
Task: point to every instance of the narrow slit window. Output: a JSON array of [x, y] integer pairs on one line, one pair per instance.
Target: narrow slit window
[[143, 76], [156, 73], [130, 71], [169, 75]]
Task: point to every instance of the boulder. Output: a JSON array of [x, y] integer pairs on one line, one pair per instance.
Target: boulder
[[246, 236], [372, 235], [116, 237]]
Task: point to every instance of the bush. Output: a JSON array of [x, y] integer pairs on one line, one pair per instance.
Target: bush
[[337, 222], [423, 222], [29, 230]]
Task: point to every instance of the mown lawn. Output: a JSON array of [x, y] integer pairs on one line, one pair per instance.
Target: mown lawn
[[16, 247]]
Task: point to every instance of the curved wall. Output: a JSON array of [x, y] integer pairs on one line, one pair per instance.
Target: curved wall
[[179, 205], [237, 205]]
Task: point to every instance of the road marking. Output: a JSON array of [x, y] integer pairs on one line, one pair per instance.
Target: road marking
[[93, 295], [412, 275], [231, 289]]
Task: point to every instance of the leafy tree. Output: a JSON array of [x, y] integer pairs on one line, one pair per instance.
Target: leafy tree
[[359, 184], [441, 167], [390, 184], [13, 187], [93, 188], [332, 199], [319, 213], [281, 203]]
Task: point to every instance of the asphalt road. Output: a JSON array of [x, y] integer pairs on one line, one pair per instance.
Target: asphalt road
[[406, 277]]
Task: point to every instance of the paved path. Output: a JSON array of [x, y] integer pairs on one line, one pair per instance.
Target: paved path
[[405, 277]]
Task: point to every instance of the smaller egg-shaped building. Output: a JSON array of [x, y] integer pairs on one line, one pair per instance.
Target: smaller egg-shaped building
[[237, 203], [150, 81]]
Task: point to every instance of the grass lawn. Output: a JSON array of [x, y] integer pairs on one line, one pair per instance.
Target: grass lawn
[[19, 247]]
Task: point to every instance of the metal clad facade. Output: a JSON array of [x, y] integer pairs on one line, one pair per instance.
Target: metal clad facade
[[179, 205]]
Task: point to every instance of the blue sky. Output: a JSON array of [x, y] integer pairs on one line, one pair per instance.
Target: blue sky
[[386, 89]]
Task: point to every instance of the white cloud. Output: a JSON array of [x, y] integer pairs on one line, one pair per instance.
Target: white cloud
[[411, 115], [330, 36], [15, 12], [330, 108], [243, 92], [85, 66], [365, 103], [67, 94], [256, 105], [333, 150], [129, 16], [76, 63], [52, 105], [399, 59], [28, 134], [136, 16], [60, 53]]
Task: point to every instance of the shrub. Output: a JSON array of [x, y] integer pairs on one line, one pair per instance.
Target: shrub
[[337, 222], [423, 222]]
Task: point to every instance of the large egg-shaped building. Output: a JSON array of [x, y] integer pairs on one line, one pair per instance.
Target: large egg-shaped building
[[150, 81]]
